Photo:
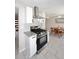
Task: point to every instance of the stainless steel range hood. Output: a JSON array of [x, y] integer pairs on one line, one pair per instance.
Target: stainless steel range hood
[[36, 13]]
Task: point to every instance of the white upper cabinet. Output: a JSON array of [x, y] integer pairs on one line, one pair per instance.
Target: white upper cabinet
[[29, 14]]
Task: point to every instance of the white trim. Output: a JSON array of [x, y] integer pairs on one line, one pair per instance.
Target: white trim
[[22, 50], [48, 36]]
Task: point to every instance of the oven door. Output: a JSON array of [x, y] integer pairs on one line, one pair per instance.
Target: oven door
[[41, 42]]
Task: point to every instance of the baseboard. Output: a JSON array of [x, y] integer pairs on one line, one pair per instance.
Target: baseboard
[[22, 50]]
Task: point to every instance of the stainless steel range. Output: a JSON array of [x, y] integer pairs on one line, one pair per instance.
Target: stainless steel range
[[41, 36]]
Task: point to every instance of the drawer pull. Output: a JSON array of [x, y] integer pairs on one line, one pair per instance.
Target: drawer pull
[[33, 37]]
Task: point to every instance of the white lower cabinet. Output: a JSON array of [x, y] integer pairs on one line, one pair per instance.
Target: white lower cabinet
[[31, 47]]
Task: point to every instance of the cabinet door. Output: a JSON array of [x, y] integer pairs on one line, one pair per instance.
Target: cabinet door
[[29, 15], [32, 45]]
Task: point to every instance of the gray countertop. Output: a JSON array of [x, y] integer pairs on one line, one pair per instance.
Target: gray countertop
[[29, 33]]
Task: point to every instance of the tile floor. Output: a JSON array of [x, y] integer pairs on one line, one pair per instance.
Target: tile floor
[[54, 50]]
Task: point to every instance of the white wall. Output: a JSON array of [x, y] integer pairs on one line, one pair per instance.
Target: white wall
[[43, 21], [52, 23]]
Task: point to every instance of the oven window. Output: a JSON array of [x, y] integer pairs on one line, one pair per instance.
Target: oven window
[[43, 39]]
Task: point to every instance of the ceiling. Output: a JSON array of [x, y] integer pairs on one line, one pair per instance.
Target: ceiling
[[51, 7]]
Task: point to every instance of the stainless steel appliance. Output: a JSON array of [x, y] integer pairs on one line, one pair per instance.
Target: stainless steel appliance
[[36, 13], [41, 36]]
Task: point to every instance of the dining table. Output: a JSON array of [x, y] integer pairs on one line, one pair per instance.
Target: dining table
[[57, 30]]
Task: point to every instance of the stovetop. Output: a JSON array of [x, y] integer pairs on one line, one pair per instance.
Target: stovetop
[[38, 31]]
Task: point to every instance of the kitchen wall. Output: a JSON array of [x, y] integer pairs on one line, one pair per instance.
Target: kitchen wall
[[50, 22]]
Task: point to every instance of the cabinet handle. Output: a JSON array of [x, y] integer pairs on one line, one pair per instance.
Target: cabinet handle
[[33, 37]]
